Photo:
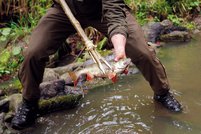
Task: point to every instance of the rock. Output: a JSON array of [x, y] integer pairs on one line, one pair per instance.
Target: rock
[[3, 129], [10, 103], [197, 22], [165, 31], [59, 103], [68, 99], [61, 73], [196, 31], [176, 36], [52, 88], [2, 93], [152, 31], [10, 87], [66, 77], [67, 68], [50, 75], [59, 87], [53, 95]]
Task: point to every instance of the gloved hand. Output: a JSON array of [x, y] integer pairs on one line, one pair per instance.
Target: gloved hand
[[119, 43]]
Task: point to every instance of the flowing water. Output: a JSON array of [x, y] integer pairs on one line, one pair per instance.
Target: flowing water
[[127, 107]]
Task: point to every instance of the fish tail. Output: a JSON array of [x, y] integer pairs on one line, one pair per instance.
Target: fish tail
[[80, 79], [74, 78]]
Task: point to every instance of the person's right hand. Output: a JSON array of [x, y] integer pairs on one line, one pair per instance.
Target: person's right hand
[[119, 43]]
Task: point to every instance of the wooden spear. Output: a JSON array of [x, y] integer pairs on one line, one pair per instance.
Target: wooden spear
[[90, 47]]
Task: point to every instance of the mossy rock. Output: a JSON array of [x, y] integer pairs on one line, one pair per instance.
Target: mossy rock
[[10, 104]]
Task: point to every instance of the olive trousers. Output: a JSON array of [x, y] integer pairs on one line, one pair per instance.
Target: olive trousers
[[53, 29]]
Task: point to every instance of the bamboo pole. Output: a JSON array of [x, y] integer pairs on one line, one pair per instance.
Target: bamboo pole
[[90, 47]]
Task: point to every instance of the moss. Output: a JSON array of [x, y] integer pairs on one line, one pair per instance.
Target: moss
[[45, 105], [11, 86], [58, 103]]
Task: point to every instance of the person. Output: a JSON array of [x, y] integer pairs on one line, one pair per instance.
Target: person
[[113, 19]]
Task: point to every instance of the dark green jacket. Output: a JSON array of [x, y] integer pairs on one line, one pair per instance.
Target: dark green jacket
[[111, 11]]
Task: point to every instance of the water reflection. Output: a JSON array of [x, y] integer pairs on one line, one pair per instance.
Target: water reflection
[[115, 115]]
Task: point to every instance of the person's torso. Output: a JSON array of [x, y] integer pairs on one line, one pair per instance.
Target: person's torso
[[88, 8]]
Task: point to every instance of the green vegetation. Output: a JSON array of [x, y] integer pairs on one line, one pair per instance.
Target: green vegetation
[[22, 16], [10, 58], [18, 18], [24, 12], [177, 11]]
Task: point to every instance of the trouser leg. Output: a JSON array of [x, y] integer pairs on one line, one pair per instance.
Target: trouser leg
[[48, 36], [145, 58]]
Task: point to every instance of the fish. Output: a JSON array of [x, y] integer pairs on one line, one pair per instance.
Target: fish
[[93, 71]]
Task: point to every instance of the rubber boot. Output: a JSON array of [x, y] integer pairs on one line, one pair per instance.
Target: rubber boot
[[25, 115], [169, 102]]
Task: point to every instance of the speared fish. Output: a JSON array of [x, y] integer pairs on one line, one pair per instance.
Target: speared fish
[[93, 71]]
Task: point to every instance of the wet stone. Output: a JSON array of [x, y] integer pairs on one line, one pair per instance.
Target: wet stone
[[2, 93], [52, 89]]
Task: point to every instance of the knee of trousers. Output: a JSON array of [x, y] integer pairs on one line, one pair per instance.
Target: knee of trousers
[[148, 56], [36, 55]]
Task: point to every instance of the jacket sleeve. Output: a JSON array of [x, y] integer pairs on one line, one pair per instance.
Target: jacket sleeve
[[114, 15]]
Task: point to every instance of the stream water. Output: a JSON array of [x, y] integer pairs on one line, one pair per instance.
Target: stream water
[[127, 107]]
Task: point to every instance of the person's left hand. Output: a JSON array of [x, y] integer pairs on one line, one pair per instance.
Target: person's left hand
[[119, 43]]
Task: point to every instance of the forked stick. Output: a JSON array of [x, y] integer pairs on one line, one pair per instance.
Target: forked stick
[[90, 47]]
